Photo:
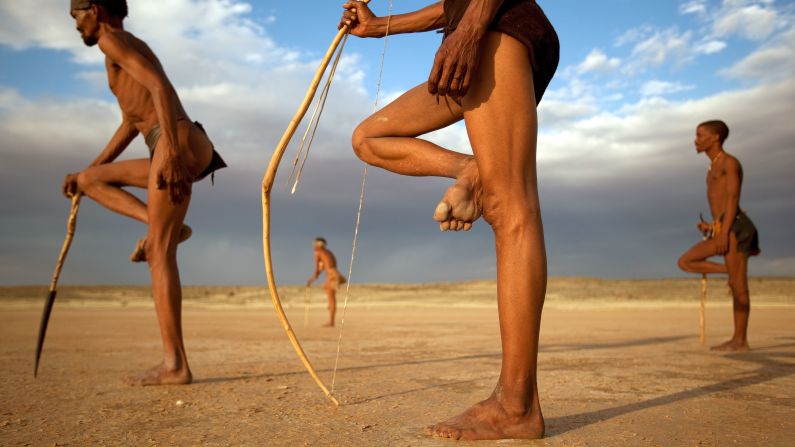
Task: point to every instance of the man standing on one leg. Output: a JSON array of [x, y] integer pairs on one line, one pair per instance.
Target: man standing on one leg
[[494, 64], [180, 153], [734, 236], [325, 261]]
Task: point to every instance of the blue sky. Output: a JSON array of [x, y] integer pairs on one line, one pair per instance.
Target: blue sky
[[620, 184]]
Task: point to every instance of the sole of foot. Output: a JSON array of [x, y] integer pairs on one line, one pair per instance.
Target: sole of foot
[[461, 204]]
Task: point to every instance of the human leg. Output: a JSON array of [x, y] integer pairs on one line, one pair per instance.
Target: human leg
[[502, 126]]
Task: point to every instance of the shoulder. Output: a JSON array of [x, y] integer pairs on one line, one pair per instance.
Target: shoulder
[[731, 162], [117, 43]]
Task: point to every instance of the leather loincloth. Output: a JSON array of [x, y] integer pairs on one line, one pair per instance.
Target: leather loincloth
[[526, 22], [335, 279], [216, 162]]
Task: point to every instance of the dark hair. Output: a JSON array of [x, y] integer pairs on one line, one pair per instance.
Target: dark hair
[[717, 127], [116, 8], [320, 239]]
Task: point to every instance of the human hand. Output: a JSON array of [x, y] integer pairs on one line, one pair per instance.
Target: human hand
[[359, 19], [175, 177], [455, 62], [69, 188]]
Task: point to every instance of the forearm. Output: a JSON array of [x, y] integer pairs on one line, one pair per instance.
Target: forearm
[[478, 16], [426, 19], [117, 144], [166, 110]]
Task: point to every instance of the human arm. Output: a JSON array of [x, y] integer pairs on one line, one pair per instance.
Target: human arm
[[120, 140], [732, 167], [458, 57], [174, 174], [363, 23], [318, 268]]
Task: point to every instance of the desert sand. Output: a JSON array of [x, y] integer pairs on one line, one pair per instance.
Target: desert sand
[[620, 365]]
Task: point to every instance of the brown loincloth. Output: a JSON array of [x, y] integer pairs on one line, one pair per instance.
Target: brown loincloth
[[747, 235], [335, 279], [216, 162], [526, 22]]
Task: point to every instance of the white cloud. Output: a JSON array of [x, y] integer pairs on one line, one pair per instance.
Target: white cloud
[[710, 46], [753, 20], [661, 88], [775, 60], [597, 61], [662, 47], [648, 132], [693, 7]]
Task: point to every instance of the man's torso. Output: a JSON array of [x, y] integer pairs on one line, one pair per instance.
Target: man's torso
[[717, 182], [134, 99]]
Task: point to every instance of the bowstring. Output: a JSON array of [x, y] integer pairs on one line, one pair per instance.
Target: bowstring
[[314, 120], [361, 205]]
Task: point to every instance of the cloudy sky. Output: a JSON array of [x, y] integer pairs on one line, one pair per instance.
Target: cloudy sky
[[621, 185]]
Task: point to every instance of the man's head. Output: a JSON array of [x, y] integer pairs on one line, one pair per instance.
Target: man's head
[[89, 14], [711, 134], [320, 242]]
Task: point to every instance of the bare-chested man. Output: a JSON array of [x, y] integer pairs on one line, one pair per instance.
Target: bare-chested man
[[732, 234], [494, 64], [180, 153], [326, 262]]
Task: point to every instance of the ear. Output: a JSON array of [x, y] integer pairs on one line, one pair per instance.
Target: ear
[[95, 11]]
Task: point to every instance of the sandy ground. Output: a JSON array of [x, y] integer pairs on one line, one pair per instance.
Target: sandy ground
[[630, 373]]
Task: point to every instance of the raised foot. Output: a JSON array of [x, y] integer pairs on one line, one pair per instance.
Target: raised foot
[[489, 420], [139, 252], [160, 375], [732, 346], [462, 203]]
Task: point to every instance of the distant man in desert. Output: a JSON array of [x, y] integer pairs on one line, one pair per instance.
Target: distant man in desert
[[732, 234], [326, 262], [180, 153], [494, 64]]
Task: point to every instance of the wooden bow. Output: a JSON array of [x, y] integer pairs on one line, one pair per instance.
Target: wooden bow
[[267, 187]]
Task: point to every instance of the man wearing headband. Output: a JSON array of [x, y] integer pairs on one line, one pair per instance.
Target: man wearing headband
[[325, 261], [180, 153]]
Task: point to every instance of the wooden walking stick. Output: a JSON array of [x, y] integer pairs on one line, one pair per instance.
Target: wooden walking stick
[[267, 187], [45, 316]]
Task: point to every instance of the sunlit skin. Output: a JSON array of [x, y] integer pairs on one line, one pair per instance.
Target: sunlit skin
[[326, 262], [724, 182], [485, 78], [146, 98]]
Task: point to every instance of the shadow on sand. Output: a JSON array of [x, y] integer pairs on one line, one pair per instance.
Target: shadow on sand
[[769, 369]]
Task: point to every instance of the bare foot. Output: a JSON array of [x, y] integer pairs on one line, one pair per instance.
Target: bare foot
[[489, 419], [461, 204], [328, 325], [160, 375], [732, 346], [139, 253]]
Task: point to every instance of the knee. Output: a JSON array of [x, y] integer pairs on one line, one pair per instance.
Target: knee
[[158, 250], [510, 214], [360, 140], [739, 290], [87, 179], [684, 264]]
